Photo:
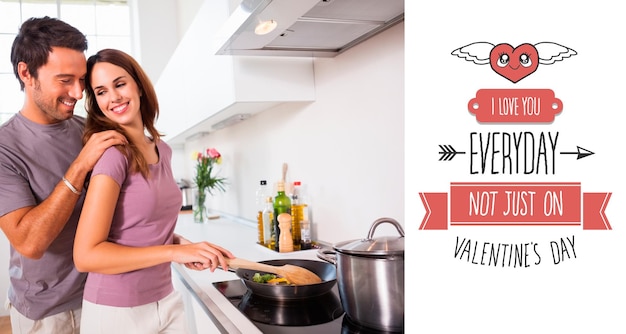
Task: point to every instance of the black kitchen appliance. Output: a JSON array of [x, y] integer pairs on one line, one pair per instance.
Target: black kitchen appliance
[[186, 193], [319, 314]]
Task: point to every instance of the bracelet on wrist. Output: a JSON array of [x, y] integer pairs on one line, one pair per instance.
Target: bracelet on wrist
[[70, 186]]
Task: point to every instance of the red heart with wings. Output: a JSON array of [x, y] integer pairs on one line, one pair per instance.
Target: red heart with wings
[[514, 63]]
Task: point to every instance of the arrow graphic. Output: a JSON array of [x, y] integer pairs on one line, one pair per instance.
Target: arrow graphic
[[580, 152], [448, 152]]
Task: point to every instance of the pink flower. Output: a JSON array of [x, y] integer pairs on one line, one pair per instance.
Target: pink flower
[[204, 179], [213, 153]]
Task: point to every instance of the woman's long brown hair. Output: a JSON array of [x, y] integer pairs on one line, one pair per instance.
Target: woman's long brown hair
[[149, 106]]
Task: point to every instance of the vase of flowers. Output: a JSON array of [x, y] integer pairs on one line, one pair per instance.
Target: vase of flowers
[[206, 181]]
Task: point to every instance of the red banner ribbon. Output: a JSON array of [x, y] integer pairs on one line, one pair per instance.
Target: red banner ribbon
[[515, 105], [516, 204], [594, 217], [436, 217]]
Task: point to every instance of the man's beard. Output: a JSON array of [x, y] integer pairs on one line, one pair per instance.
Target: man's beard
[[50, 109]]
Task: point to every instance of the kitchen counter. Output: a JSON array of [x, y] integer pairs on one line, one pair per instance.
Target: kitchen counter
[[239, 237]]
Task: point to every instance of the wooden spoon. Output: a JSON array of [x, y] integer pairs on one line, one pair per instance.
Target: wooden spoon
[[284, 172], [294, 274]]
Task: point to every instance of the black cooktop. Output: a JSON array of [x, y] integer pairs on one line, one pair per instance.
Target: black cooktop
[[321, 314]]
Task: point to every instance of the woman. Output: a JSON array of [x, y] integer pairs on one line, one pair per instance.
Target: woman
[[125, 237]]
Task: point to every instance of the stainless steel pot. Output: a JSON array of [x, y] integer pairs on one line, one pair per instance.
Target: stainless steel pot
[[370, 278]]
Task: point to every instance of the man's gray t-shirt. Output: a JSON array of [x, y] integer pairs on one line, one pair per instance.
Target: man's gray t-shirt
[[33, 159]]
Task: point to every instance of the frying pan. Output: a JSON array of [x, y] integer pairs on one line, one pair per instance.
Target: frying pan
[[326, 271]]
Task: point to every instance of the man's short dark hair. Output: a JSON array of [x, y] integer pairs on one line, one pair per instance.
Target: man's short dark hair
[[37, 37]]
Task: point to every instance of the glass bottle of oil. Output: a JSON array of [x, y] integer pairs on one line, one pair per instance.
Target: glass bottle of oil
[[261, 194], [268, 224], [282, 204], [298, 214]]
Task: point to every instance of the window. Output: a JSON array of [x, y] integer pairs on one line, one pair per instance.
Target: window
[[106, 23]]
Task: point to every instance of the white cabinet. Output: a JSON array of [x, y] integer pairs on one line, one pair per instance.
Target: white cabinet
[[198, 88], [197, 319], [203, 323], [207, 311]]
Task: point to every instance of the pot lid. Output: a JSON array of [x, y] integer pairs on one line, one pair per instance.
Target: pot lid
[[381, 246]]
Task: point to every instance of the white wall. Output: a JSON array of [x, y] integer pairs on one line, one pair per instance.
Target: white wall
[[347, 147], [157, 29]]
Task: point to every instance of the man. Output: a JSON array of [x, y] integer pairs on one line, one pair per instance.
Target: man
[[43, 167]]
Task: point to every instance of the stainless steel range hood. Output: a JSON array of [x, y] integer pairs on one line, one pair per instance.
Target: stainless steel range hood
[[311, 28]]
